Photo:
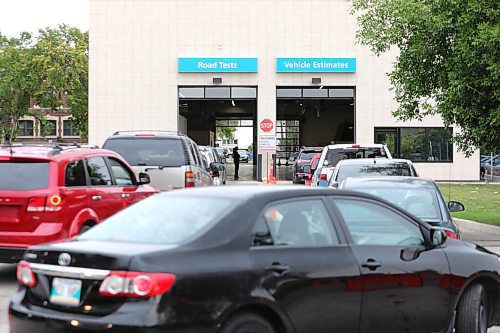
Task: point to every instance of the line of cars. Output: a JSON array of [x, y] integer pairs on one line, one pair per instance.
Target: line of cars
[[50, 192], [258, 259], [370, 168]]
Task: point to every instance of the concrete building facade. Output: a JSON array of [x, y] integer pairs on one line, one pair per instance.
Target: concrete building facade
[[138, 50]]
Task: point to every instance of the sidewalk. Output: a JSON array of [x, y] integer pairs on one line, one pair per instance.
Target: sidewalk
[[483, 234]]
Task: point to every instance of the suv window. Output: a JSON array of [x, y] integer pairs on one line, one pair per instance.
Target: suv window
[[75, 174], [337, 154], [159, 151], [122, 175], [22, 176], [98, 171]]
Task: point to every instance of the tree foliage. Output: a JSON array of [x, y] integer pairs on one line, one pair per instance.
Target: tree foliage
[[225, 133], [448, 63], [51, 69]]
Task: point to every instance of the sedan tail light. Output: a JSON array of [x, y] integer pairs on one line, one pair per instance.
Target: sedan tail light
[[136, 284], [25, 275], [322, 176], [451, 234]]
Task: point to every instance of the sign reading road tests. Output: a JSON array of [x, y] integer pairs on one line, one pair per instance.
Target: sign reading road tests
[[267, 143], [217, 65], [266, 125]]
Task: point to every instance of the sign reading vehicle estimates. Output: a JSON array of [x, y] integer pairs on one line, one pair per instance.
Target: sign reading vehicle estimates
[[217, 65], [267, 143], [316, 65]]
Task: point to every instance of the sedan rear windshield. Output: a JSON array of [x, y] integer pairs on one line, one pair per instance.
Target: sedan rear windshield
[[167, 152], [308, 155], [24, 176], [392, 169], [337, 154], [161, 219]]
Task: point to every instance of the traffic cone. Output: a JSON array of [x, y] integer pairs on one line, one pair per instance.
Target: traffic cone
[[271, 179]]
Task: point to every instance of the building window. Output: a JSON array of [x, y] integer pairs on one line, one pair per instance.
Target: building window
[[418, 144], [69, 128], [48, 128], [25, 128]]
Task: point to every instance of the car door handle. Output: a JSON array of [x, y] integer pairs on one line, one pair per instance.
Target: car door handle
[[371, 264], [125, 195], [277, 268], [96, 197]]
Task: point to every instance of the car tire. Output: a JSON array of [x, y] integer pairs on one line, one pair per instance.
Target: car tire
[[247, 323], [84, 228], [472, 311]]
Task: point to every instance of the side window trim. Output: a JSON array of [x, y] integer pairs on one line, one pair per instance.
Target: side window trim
[[89, 182]]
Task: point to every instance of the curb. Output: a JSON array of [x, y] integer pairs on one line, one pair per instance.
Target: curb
[[476, 226]]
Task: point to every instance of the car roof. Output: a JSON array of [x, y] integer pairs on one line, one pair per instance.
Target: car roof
[[147, 134], [388, 181], [371, 161], [248, 192], [356, 145], [51, 152]]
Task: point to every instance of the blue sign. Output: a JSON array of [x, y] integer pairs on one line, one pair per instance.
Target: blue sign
[[217, 65], [316, 65]]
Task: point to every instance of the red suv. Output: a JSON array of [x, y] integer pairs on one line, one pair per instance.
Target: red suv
[[49, 193]]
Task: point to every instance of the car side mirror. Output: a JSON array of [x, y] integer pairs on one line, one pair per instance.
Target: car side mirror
[[144, 178], [307, 169], [455, 206], [438, 237], [215, 168]]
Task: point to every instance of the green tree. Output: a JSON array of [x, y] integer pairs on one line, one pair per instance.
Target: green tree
[[222, 133], [449, 61], [60, 62], [16, 82]]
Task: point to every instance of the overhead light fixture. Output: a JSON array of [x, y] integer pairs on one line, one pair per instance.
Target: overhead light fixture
[[316, 80], [232, 102], [217, 80]]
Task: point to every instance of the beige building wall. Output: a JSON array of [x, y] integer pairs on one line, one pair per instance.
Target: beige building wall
[[135, 44]]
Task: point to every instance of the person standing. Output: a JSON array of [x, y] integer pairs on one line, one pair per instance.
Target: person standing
[[236, 159]]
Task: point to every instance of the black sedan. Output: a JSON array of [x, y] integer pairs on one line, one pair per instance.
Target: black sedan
[[258, 259], [420, 197]]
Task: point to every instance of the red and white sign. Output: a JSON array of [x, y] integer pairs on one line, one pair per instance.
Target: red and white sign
[[266, 125]]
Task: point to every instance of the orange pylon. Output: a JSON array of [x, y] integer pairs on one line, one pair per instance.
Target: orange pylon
[[270, 178]]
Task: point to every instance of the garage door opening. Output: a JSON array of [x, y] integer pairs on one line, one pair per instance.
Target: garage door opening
[[312, 117], [210, 114]]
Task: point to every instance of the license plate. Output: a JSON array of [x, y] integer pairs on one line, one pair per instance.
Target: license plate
[[66, 291]]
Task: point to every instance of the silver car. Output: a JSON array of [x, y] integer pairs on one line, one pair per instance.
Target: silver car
[[216, 165], [172, 160]]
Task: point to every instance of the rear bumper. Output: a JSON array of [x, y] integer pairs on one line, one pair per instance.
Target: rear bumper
[[44, 233], [11, 255], [129, 318]]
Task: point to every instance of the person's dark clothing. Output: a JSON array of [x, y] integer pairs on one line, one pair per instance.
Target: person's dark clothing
[[236, 159]]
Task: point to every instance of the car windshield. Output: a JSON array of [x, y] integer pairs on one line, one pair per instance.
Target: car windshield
[[161, 219], [421, 202], [242, 152], [333, 156], [24, 176], [392, 169], [149, 151]]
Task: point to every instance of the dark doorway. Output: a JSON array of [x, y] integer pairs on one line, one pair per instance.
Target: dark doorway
[[312, 117], [205, 109]]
